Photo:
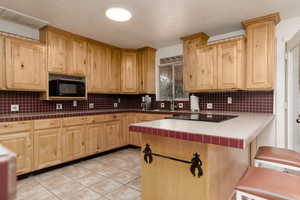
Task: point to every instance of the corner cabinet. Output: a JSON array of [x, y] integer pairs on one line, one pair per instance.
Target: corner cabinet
[[25, 65], [146, 70], [129, 72], [261, 52]]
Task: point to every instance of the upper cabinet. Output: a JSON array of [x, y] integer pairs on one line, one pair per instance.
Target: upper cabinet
[[146, 70], [129, 72], [261, 52], [66, 53], [114, 71], [231, 65], [218, 66], [25, 65]]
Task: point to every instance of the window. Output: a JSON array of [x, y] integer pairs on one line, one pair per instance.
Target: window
[[171, 79]]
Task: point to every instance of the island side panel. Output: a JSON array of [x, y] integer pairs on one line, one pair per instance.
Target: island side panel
[[226, 167], [166, 179]]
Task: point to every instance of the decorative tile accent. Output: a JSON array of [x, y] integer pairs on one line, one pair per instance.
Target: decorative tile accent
[[207, 139]]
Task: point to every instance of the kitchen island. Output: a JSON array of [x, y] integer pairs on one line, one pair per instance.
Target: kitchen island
[[170, 146]]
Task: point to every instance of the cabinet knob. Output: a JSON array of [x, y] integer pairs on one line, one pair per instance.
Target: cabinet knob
[[22, 65], [191, 76]]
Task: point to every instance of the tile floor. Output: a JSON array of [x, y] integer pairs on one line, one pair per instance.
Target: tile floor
[[115, 176]]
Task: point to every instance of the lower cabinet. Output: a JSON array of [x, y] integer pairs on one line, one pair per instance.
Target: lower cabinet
[[73, 142], [95, 135], [21, 144], [133, 138], [47, 145], [112, 135]]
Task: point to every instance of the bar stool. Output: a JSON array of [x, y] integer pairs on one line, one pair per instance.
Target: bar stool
[[268, 184], [277, 157]]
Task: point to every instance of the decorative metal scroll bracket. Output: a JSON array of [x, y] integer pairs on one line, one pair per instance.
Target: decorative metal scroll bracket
[[196, 163]]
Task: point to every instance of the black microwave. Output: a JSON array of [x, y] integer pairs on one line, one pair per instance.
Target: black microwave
[[62, 86]]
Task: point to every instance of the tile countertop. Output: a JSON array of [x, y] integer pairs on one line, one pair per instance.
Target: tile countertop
[[45, 115], [237, 132]]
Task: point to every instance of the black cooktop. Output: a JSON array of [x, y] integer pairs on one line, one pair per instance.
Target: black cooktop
[[202, 117]]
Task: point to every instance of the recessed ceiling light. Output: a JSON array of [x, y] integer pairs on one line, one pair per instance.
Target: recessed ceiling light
[[118, 14]]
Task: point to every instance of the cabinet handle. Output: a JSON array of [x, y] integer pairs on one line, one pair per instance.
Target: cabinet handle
[[22, 65], [191, 76], [84, 62]]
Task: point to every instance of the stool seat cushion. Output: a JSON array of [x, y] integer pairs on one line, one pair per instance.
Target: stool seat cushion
[[278, 155], [270, 184]]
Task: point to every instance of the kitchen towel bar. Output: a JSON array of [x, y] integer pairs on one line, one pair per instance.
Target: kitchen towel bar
[[196, 163]]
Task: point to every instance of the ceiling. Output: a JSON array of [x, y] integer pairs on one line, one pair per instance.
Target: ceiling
[[155, 23]]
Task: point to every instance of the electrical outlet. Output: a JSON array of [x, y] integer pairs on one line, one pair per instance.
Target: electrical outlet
[[229, 100], [180, 105], [14, 108], [75, 103], [59, 106], [162, 105], [115, 105], [91, 105], [209, 106]]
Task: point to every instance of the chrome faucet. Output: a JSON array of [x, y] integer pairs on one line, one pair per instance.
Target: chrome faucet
[[172, 105]]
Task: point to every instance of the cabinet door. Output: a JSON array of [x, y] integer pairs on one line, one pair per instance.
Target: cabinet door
[[25, 66], [21, 144], [231, 65], [57, 52], [112, 134], [146, 68], [260, 55], [130, 136], [191, 64], [95, 139], [47, 148], [78, 66], [2, 63], [97, 68], [79, 140], [67, 144], [129, 72], [114, 72], [206, 68]]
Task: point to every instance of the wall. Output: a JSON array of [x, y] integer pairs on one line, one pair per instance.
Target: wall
[[285, 30], [11, 27]]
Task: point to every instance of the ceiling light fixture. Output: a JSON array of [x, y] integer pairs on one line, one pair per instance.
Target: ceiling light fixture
[[118, 14]]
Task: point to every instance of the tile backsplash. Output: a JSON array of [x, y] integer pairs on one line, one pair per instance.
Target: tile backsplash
[[242, 101]]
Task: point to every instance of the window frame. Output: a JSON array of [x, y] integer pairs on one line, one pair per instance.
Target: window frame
[[173, 64]]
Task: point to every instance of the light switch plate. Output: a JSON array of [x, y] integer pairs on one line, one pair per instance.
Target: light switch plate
[[91, 105], [162, 105], [59, 106], [180, 105], [229, 100], [14, 108], [209, 106], [75, 103]]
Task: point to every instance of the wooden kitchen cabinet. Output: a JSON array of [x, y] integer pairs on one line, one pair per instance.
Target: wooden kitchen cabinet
[[2, 63], [146, 67], [131, 137], [95, 139], [17, 137], [261, 52], [47, 148], [78, 65], [112, 135], [73, 142], [191, 45], [113, 78], [25, 65], [231, 65], [129, 72], [57, 51], [99, 57]]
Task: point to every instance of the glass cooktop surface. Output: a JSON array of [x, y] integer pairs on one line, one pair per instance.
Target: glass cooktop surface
[[203, 117]]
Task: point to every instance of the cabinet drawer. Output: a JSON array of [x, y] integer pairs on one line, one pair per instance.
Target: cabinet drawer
[[112, 117], [96, 119], [73, 121], [9, 127], [47, 123]]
